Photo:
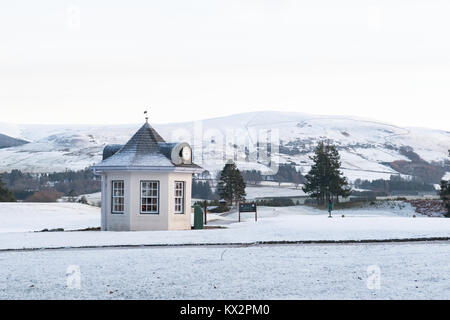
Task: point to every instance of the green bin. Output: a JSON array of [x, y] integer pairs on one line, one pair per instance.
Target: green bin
[[198, 217]]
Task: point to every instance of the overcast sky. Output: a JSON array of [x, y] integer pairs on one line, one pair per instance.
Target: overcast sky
[[105, 61]]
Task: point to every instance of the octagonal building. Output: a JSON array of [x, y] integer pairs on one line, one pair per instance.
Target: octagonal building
[[146, 184]]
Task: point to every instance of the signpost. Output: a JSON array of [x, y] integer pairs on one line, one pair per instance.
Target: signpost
[[205, 205], [248, 207]]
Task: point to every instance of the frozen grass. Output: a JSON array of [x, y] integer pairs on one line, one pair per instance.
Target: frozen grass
[[298, 223], [407, 271], [333, 271]]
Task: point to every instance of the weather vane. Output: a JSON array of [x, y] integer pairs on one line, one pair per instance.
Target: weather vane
[[146, 116]]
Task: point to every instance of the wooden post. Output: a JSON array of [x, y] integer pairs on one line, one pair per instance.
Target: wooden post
[[205, 208], [256, 212], [239, 209]]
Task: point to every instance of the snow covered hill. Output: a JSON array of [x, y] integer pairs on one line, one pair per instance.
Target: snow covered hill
[[366, 147], [7, 142]]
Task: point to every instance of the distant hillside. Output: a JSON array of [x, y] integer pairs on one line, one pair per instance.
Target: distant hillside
[[369, 149], [7, 141]]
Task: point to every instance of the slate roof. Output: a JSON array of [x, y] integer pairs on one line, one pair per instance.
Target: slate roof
[[146, 149]]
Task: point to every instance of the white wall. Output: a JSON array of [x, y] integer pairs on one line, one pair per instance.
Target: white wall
[[116, 221], [180, 221], [132, 219]]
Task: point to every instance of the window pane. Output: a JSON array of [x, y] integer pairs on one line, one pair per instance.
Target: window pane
[[149, 196], [179, 197], [118, 194]]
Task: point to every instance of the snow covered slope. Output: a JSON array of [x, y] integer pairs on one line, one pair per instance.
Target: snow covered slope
[[365, 146], [7, 142], [26, 217]]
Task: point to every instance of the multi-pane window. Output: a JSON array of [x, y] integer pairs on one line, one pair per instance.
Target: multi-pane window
[[118, 197], [179, 197], [149, 197]]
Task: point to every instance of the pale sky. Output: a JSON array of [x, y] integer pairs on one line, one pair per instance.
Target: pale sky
[[105, 61]]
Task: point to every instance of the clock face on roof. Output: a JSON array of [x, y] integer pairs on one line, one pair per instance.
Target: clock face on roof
[[186, 153]]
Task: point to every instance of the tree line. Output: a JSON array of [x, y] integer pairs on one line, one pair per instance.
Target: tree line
[[286, 173], [395, 183], [203, 190], [48, 186], [5, 194]]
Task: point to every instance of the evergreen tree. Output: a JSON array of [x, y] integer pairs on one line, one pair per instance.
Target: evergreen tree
[[445, 193], [445, 190], [314, 179], [231, 186], [325, 179], [338, 185], [239, 193], [5, 194]]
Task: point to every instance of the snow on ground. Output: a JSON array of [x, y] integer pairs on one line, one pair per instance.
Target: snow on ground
[[277, 184], [23, 217], [92, 198], [430, 145], [407, 271], [379, 209], [354, 174], [274, 224], [380, 154], [446, 177], [382, 208], [351, 160], [259, 192], [250, 271]]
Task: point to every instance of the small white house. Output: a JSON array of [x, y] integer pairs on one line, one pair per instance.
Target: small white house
[[146, 183]]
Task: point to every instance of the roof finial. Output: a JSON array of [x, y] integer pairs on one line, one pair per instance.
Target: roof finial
[[146, 116]]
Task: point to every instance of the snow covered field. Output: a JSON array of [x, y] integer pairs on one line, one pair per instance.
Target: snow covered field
[[23, 217], [406, 271], [245, 270], [297, 223], [258, 192]]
